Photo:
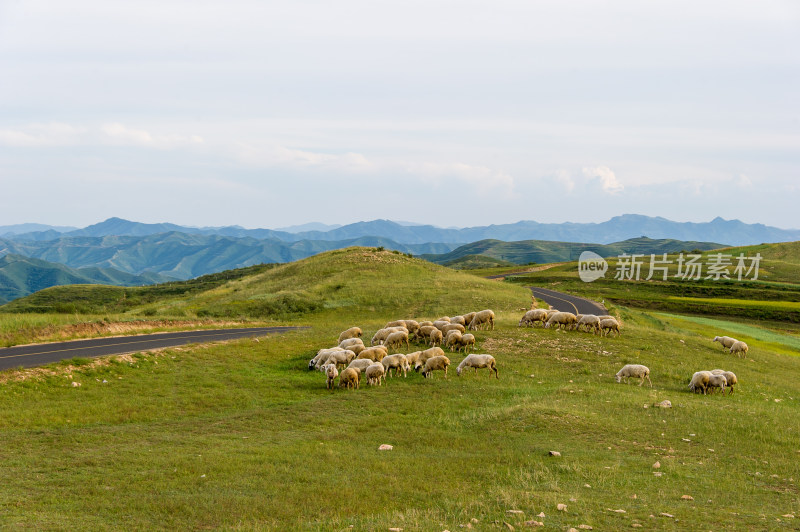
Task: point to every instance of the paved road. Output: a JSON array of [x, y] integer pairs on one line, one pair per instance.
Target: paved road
[[38, 354], [568, 303]]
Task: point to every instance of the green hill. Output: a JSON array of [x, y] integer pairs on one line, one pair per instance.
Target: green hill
[[542, 251], [20, 276], [476, 262]]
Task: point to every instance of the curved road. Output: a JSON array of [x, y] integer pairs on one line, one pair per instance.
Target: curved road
[[568, 303], [37, 354]]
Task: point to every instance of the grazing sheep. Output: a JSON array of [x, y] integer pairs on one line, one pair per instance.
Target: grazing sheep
[[345, 344], [350, 378], [739, 347], [453, 327], [590, 321], [459, 320], [452, 339], [700, 381], [468, 317], [381, 335], [412, 326], [436, 337], [412, 358], [428, 353], [443, 318], [434, 363], [331, 373], [322, 355], [478, 361], [361, 363], [375, 373], [608, 325], [482, 318], [561, 319], [441, 324], [526, 319], [533, 316], [352, 332], [398, 362], [397, 339], [466, 342], [717, 381], [726, 341], [340, 357], [634, 370], [424, 332], [395, 323], [425, 323], [732, 380], [375, 353]]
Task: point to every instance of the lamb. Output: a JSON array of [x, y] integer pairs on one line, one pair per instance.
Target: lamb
[[465, 342], [478, 361], [352, 332], [591, 322], [340, 357], [717, 381], [561, 319], [361, 363], [425, 355], [634, 370], [350, 378], [608, 325], [331, 373], [375, 353], [436, 337], [434, 363], [739, 347], [700, 381], [482, 318], [452, 339], [726, 341], [396, 339], [375, 373], [398, 362]]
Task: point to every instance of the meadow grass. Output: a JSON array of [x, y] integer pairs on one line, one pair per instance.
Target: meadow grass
[[241, 435]]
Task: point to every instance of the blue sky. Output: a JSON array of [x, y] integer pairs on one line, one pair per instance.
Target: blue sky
[[267, 114]]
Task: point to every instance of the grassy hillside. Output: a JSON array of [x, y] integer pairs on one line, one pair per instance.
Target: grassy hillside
[[542, 251], [242, 436], [476, 262], [775, 295]]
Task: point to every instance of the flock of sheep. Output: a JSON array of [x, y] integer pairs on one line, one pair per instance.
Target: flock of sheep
[[375, 362]]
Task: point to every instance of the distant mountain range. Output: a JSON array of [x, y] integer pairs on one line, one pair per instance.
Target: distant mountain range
[[20, 276], [619, 228]]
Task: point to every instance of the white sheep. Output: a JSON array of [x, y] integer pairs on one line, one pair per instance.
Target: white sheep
[[453, 327], [700, 381], [441, 324], [561, 319], [607, 325], [424, 332], [381, 335], [730, 377], [350, 378], [452, 339], [425, 355], [434, 363], [739, 347], [436, 338], [482, 318], [412, 358], [425, 323], [398, 362], [537, 315], [361, 363], [468, 317], [412, 326], [352, 332], [590, 321], [340, 357], [346, 343], [465, 342], [322, 354], [331, 373], [717, 381], [726, 341], [634, 370], [397, 339], [459, 320], [478, 361], [375, 373]]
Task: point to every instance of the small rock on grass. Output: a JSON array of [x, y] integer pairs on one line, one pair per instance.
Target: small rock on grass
[[395, 529], [508, 525], [656, 465], [533, 523], [687, 497], [515, 512], [554, 453], [385, 447], [561, 507], [585, 527]]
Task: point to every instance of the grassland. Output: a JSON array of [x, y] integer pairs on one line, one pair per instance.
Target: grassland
[[242, 436]]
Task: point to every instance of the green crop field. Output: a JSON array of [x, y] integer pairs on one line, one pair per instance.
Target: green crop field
[[242, 436]]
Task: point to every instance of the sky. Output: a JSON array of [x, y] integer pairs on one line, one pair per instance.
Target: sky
[[455, 113]]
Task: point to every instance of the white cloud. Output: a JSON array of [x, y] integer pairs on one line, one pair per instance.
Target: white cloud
[[480, 178], [564, 177], [608, 180], [276, 155], [33, 135], [120, 134]]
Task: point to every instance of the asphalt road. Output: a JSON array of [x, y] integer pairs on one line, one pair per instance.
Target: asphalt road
[[37, 354], [568, 303]]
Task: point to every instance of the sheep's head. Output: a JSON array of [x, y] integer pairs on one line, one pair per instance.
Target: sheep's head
[[618, 377], [458, 371]]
